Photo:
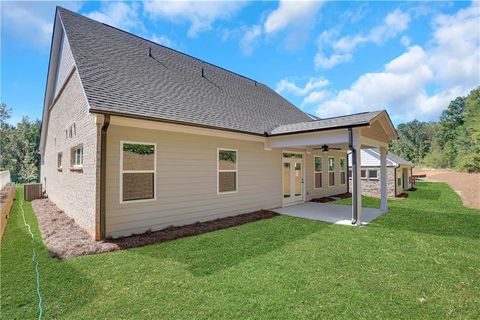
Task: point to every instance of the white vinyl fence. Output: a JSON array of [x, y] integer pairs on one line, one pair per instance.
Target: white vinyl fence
[[4, 178]]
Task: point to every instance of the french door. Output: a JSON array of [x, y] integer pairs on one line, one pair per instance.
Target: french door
[[292, 180]]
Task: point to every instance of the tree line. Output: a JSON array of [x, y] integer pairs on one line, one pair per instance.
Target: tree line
[[451, 142], [19, 147]]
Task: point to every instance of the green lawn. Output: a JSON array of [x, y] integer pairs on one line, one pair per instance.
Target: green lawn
[[421, 260]]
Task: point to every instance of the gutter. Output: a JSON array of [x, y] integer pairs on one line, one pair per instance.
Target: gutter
[[354, 176], [103, 175]]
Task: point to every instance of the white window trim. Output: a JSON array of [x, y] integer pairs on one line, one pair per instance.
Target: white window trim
[[74, 163], [328, 165], [60, 167], [154, 171], [368, 174], [314, 172], [344, 170], [218, 171]]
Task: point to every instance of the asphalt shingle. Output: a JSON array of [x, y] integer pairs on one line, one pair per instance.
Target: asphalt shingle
[[358, 119], [120, 77]]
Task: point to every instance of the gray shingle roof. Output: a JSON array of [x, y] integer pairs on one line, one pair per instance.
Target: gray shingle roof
[[119, 77], [358, 119], [371, 158]]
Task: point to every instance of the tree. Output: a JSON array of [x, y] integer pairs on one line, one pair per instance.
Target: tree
[[414, 140], [5, 133], [19, 147]]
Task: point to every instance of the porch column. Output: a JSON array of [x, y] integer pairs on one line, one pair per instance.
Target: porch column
[[356, 177], [383, 179]]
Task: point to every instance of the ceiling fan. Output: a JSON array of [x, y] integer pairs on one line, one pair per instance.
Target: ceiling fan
[[326, 148]]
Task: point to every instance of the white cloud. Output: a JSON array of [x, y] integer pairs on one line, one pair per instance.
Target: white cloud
[[161, 39], [291, 13], [325, 62], [249, 39], [200, 15], [393, 24], [315, 97], [32, 21], [290, 87], [118, 14], [298, 17], [405, 41], [450, 65]]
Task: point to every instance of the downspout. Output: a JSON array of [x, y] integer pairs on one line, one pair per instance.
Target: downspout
[[354, 176], [103, 175]]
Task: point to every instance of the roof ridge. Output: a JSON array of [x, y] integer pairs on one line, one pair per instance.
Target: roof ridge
[[163, 46]]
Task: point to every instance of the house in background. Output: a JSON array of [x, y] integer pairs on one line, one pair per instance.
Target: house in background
[[399, 173], [137, 136]]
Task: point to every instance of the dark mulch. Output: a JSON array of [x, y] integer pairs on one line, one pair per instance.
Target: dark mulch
[[332, 198], [172, 233], [65, 239], [402, 195]]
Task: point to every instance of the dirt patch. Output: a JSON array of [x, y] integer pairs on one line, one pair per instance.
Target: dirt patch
[[332, 198], [65, 239], [467, 185]]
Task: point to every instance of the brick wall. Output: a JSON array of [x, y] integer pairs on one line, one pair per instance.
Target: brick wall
[[74, 191], [371, 187]]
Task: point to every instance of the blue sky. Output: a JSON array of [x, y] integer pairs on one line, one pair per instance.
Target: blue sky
[[328, 58]]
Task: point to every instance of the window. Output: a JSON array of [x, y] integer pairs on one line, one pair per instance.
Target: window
[[137, 171], [227, 179], [363, 174], [293, 155], [342, 171], [77, 157], [399, 181], [372, 174], [59, 161], [331, 171], [349, 173], [318, 172]]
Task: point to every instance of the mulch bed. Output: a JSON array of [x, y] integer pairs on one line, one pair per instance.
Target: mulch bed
[[332, 198], [65, 239]]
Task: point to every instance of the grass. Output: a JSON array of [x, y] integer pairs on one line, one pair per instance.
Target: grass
[[420, 260]]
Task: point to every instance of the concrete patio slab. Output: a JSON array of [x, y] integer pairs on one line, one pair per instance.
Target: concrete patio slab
[[333, 213]]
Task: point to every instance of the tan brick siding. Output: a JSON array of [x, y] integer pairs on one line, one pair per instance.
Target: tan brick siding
[[75, 192], [371, 187]]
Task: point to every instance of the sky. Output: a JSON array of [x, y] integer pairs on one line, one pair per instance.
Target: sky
[[328, 58]]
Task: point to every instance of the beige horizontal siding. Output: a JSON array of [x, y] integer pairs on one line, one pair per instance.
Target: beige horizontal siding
[[326, 190], [186, 181]]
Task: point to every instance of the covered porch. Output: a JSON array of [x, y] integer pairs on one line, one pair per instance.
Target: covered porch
[[347, 134]]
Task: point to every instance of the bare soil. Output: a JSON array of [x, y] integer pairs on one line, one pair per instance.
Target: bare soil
[[467, 185], [65, 239]]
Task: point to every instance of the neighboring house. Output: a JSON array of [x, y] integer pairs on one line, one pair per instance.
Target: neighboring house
[[399, 173], [136, 136]]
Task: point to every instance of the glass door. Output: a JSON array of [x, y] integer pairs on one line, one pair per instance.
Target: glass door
[[292, 178], [298, 181]]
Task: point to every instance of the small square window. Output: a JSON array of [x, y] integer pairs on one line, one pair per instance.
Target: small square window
[[363, 174], [373, 174]]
